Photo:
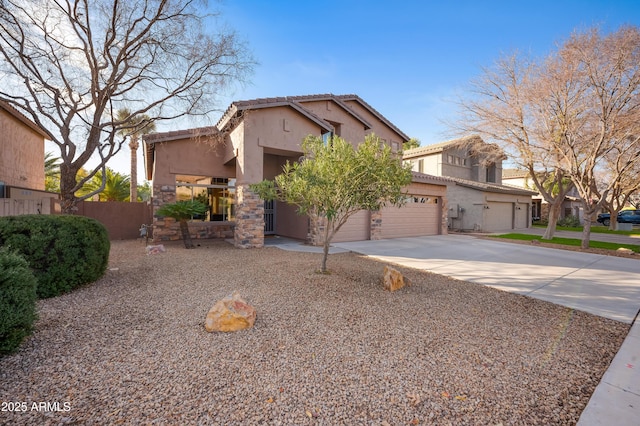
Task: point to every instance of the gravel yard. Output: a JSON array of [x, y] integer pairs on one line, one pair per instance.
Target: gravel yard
[[325, 349]]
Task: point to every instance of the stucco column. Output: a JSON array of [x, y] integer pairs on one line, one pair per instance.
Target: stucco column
[[249, 229]]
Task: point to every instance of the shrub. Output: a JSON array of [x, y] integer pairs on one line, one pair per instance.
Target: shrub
[[64, 252], [17, 300], [569, 222]]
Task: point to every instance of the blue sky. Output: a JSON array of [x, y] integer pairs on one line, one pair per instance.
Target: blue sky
[[408, 59]]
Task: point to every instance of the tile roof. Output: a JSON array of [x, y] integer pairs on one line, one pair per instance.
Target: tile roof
[[152, 138], [492, 187], [427, 178], [439, 147], [514, 173]]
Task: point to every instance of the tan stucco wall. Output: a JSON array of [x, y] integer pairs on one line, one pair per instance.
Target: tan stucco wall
[[188, 158], [21, 154], [289, 223], [279, 129]]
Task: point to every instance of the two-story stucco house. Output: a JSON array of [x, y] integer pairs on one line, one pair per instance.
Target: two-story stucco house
[[478, 200], [253, 141]]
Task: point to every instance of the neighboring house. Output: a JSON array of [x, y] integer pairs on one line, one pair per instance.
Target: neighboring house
[[571, 206], [251, 142], [22, 149], [22, 187], [478, 200]]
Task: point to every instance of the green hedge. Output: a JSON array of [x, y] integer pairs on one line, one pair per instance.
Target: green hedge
[[17, 300], [64, 252]]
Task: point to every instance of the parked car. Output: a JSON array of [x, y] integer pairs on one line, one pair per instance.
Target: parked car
[[625, 216]]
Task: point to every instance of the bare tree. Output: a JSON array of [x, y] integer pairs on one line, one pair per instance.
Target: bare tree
[[567, 115], [69, 65], [623, 182], [593, 109], [502, 109]]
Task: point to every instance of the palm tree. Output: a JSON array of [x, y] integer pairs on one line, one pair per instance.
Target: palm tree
[[51, 172], [134, 127], [116, 187]]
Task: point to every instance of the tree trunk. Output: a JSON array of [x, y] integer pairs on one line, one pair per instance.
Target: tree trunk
[[67, 184], [325, 249], [613, 221], [186, 237], [586, 231], [554, 214], [133, 190]]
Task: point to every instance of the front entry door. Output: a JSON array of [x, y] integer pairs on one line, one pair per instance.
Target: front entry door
[[269, 217]]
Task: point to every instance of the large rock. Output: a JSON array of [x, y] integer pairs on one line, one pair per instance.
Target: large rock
[[393, 279], [230, 314]]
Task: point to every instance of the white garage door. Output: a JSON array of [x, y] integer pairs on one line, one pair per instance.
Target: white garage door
[[498, 217], [356, 228], [417, 218]]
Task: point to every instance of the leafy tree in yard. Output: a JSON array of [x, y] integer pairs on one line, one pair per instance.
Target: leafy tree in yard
[[411, 144], [70, 65], [51, 172], [112, 186], [334, 181], [182, 211], [144, 191]]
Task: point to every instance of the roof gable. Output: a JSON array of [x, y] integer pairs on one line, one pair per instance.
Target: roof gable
[[372, 110], [297, 103], [237, 107]]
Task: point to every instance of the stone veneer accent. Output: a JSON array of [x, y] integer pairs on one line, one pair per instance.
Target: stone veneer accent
[[249, 229], [444, 218], [315, 237], [375, 228]]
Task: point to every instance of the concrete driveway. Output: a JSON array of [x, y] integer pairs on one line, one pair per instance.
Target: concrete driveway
[[602, 285]]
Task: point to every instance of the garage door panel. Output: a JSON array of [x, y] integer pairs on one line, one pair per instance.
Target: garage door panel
[[498, 217], [355, 229], [411, 220], [522, 214]]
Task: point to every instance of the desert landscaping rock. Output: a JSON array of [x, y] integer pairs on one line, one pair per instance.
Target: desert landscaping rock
[[230, 314], [393, 279], [325, 349]]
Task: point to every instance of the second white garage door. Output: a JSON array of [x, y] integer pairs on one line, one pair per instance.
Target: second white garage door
[[498, 217]]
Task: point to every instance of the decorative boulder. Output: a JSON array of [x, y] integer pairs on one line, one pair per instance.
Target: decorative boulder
[[393, 279], [624, 250], [230, 314]]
